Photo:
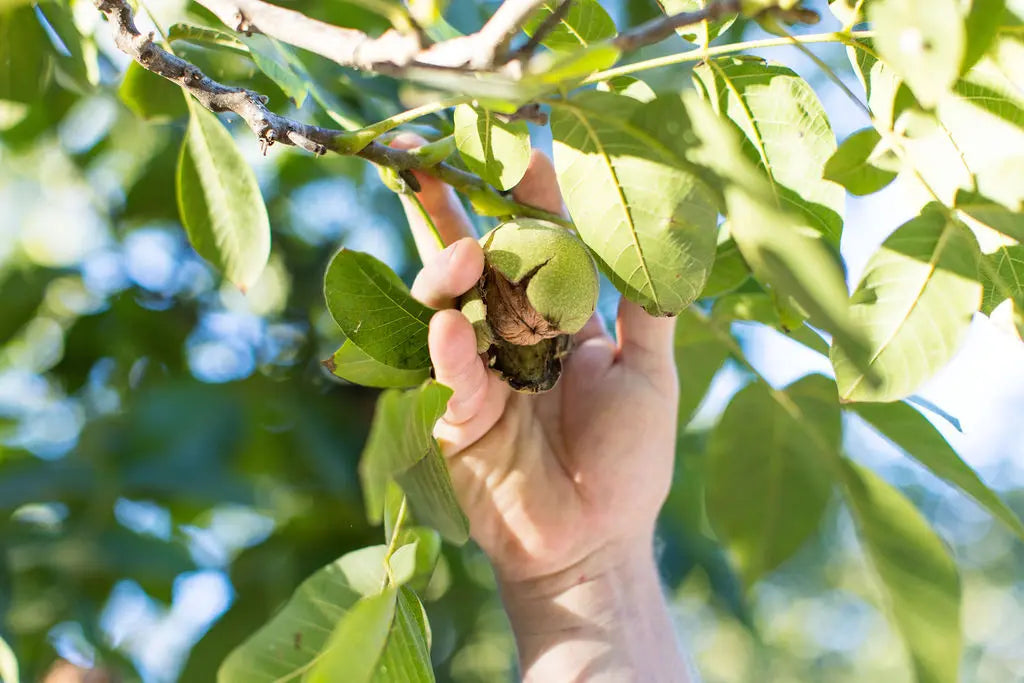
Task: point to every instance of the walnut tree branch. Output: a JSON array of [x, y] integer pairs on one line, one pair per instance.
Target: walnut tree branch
[[272, 128], [657, 30]]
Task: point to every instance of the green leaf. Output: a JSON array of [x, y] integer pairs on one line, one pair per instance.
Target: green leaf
[[284, 648], [992, 214], [496, 150], [66, 44], [374, 309], [981, 25], [783, 251], [8, 664], [730, 270], [25, 61], [1003, 278], [859, 166], [917, 574], [428, 485], [699, 351], [203, 35], [278, 63], [353, 364], [219, 201], [846, 11], [702, 33], [768, 478], [648, 218], [923, 41], [759, 307], [401, 435], [785, 132], [425, 543], [914, 304], [586, 22], [406, 656], [629, 86], [919, 439], [357, 643], [151, 97]]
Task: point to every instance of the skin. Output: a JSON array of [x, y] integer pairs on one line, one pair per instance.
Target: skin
[[561, 489]]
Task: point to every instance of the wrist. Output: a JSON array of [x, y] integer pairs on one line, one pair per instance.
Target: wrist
[[607, 607]]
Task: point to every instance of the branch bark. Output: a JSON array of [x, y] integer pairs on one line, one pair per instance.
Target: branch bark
[[272, 128], [657, 30]]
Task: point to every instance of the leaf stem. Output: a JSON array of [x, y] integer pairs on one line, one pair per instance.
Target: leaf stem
[[697, 54], [396, 530]]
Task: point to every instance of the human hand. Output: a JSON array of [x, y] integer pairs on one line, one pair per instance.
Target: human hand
[[561, 489]]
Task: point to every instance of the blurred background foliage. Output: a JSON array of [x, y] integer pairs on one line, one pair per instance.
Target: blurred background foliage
[[174, 460]]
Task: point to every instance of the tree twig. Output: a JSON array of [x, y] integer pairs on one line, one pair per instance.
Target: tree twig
[[547, 26], [272, 128], [656, 30]]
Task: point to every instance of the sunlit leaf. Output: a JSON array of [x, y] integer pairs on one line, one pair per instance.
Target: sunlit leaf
[[353, 364], [991, 213], [497, 150], [981, 25], [1002, 275], [923, 41], [916, 436], [785, 132], [406, 656], [432, 496], [701, 33], [629, 86], [586, 22], [285, 647], [915, 570], [374, 309], [859, 167], [914, 303], [151, 97], [759, 307], [220, 202], [8, 664], [648, 218], [768, 480], [357, 642]]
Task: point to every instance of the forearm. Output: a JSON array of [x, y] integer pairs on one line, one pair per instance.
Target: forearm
[[603, 620]]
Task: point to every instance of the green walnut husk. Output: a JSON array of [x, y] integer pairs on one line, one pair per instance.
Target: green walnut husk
[[539, 287]]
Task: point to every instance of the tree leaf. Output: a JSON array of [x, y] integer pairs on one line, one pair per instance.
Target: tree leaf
[[151, 97], [220, 202], [702, 33], [785, 132], [8, 664], [647, 217], [25, 62], [374, 309], [278, 63], [401, 435], [357, 643], [917, 574], [1003, 279], [919, 439], [730, 270], [981, 25], [586, 22], [699, 351], [759, 307], [792, 258], [914, 304], [627, 85], [285, 647], [859, 167], [496, 150], [768, 482], [992, 214], [406, 655], [923, 41], [353, 364], [432, 496]]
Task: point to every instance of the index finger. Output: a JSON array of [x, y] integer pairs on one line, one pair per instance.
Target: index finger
[[439, 202]]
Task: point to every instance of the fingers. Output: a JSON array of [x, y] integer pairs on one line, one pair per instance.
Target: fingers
[[439, 201], [645, 342], [539, 186], [449, 273], [452, 345]]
